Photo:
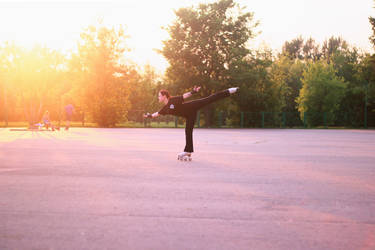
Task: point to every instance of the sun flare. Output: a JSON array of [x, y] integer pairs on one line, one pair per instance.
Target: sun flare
[[58, 24]]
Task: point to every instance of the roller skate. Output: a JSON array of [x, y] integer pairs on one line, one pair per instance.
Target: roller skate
[[184, 156], [233, 90]]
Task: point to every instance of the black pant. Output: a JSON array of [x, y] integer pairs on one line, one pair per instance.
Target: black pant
[[191, 109]]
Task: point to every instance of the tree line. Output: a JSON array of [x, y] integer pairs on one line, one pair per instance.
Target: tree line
[[208, 46]]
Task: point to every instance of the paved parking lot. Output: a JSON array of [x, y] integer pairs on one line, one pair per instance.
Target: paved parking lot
[[245, 189]]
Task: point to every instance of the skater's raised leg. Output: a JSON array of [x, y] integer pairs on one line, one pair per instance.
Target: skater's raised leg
[[200, 103]]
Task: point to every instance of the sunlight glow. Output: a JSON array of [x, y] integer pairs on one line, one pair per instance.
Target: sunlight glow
[[57, 24]]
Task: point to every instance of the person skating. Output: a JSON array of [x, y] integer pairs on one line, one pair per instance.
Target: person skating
[[175, 105]]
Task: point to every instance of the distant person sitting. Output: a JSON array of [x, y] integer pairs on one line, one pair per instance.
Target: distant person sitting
[[69, 110], [47, 122]]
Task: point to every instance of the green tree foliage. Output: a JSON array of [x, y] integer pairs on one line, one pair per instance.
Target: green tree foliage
[[144, 94], [366, 74], [311, 50], [287, 74], [294, 48], [332, 47], [205, 42], [372, 37], [106, 83], [347, 61], [300, 49], [321, 93], [258, 92]]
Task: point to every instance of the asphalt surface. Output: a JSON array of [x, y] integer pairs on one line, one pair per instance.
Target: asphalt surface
[[244, 189]]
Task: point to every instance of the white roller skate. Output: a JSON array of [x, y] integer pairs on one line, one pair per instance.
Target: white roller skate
[[184, 156], [233, 90]]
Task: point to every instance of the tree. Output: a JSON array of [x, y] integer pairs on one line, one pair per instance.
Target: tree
[[372, 37], [294, 48], [299, 49], [366, 74], [321, 94], [257, 90], [204, 44], [106, 83], [311, 50], [287, 74], [333, 46], [346, 61], [368, 69], [32, 78], [143, 97]]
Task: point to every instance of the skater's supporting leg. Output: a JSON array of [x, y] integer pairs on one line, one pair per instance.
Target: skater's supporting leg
[[190, 121]]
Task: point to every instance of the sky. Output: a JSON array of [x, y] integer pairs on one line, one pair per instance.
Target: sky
[[57, 24]]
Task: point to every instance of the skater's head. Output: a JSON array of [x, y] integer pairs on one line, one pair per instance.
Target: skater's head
[[163, 95]]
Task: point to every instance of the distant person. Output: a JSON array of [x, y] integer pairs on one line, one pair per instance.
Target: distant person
[[175, 105], [47, 122], [69, 110]]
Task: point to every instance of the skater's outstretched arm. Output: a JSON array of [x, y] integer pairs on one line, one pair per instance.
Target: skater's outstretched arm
[[188, 94], [154, 115]]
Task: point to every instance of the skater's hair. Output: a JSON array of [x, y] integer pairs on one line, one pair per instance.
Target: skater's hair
[[164, 92]]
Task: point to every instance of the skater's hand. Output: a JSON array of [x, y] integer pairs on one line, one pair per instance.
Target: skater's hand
[[196, 88], [154, 115], [147, 115], [193, 91]]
